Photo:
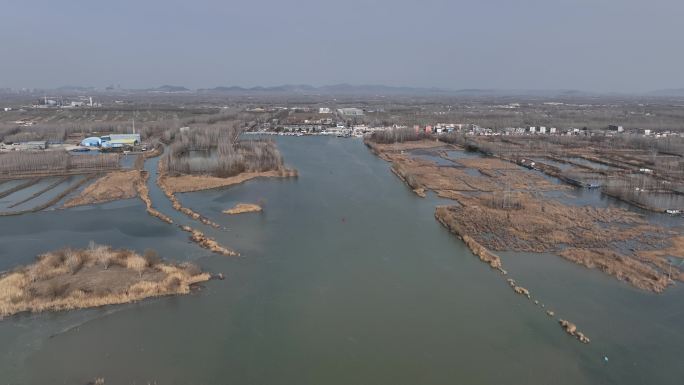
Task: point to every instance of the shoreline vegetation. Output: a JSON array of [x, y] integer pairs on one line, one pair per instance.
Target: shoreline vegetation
[[242, 208], [494, 261], [208, 243], [501, 207], [193, 183], [205, 158], [639, 171], [500, 204], [113, 186], [99, 275]]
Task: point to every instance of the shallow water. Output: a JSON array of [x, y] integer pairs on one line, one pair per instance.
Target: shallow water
[[25, 193], [561, 166], [42, 199], [589, 163], [345, 278]]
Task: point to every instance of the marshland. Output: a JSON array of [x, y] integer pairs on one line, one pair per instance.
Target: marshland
[[346, 265]]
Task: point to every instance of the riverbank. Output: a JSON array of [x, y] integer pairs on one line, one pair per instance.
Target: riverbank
[[99, 275]]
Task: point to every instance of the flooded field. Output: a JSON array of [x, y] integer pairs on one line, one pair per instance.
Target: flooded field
[[345, 277], [589, 163], [561, 165], [45, 193]]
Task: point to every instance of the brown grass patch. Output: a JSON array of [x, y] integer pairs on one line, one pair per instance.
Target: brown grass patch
[[111, 187], [241, 208], [585, 235], [99, 275], [189, 183]]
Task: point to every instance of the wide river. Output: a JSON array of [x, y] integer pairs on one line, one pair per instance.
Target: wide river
[[345, 278]]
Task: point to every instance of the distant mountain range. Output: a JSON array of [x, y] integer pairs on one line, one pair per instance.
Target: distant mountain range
[[348, 89], [338, 89], [380, 90], [668, 92], [168, 88]]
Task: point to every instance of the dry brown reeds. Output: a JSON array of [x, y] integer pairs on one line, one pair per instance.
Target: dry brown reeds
[[95, 276]]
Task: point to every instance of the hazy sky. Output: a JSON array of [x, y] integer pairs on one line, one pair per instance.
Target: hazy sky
[[593, 45]]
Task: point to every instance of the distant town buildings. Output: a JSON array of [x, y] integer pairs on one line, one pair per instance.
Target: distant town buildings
[[350, 111]]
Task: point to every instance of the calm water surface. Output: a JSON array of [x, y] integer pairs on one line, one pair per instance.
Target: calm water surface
[[345, 278]]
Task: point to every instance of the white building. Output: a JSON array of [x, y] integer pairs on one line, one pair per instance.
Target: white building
[[552, 130], [34, 145], [542, 130], [350, 111], [533, 129], [324, 110]]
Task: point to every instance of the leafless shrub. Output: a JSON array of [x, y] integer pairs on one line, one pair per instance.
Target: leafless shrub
[[173, 283], [151, 257], [74, 261], [137, 263], [21, 162], [192, 269], [503, 202], [398, 135], [219, 152]]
